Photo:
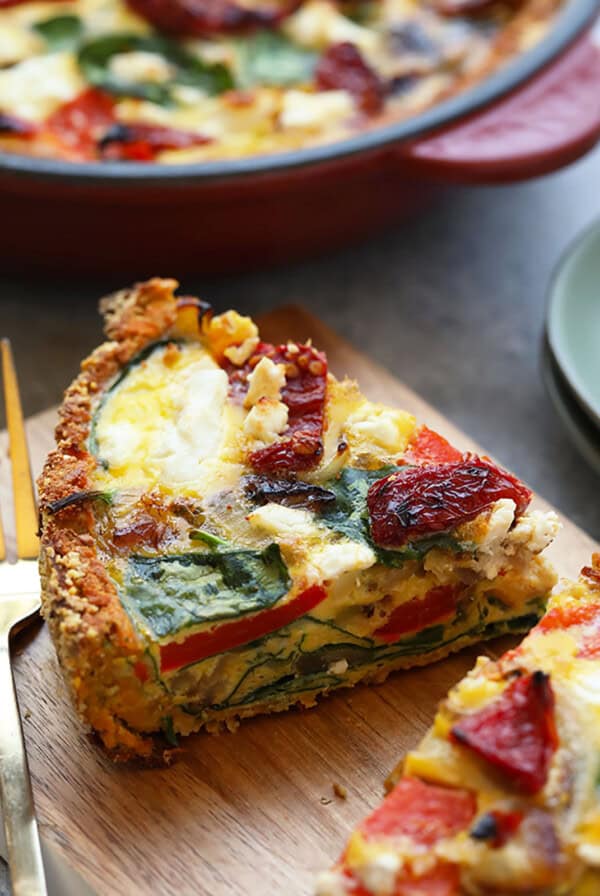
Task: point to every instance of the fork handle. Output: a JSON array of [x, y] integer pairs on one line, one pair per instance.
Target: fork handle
[[22, 838]]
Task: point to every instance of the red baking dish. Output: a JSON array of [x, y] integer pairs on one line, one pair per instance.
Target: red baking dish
[[536, 115]]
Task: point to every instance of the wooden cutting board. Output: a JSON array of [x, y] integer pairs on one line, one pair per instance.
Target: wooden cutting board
[[251, 813]]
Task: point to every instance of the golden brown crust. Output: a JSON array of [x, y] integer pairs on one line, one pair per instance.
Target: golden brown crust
[[89, 627]]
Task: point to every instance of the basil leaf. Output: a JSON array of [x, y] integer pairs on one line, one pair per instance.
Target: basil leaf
[[270, 58], [167, 594], [60, 32], [94, 60]]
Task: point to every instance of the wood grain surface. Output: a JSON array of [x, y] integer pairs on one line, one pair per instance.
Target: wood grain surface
[[251, 813]]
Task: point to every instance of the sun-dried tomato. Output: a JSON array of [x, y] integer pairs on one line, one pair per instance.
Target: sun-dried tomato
[[189, 18], [80, 124], [301, 446], [470, 7], [516, 733], [142, 142], [429, 447], [420, 501], [343, 68]]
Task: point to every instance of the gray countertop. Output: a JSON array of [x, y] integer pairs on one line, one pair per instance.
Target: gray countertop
[[452, 302]]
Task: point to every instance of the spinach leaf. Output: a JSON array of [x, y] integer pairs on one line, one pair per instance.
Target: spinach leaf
[[167, 594], [95, 55], [270, 58], [60, 32]]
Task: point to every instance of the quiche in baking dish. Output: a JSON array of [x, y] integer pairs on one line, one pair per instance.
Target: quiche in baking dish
[[178, 81], [502, 796], [228, 529]]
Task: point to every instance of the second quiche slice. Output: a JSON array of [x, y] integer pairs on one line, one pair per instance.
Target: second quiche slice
[[227, 529]]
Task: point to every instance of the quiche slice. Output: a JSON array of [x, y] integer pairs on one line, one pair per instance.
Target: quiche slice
[[503, 794], [227, 529]]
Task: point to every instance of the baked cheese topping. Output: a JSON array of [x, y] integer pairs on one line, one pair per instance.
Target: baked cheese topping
[[166, 81]]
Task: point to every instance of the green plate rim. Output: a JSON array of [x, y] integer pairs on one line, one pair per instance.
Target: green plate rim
[[568, 261], [581, 430]]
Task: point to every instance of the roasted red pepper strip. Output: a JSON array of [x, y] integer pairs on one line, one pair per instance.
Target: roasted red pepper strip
[[416, 614], [342, 68], [420, 501], [241, 631], [141, 142], [300, 447], [80, 124], [516, 733], [424, 812], [195, 18], [428, 447], [4, 4]]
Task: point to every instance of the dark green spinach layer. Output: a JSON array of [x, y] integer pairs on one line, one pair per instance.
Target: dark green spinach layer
[[313, 672], [171, 593]]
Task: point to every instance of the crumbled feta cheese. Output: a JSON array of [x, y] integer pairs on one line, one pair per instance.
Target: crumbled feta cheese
[[266, 421], [314, 110], [333, 560], [330, 883], [266, 381], [338, 668], [318, 24], [36, 87], [285, 522], [380, 872], [140, 66], [536, 530], [239, 354], [381, 426]]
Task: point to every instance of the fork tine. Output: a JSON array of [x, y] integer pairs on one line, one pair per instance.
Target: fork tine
[[23, 493], [2, 544]]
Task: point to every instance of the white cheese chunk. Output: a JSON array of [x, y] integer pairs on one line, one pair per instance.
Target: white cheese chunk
[[313, 110], [330, 883], [318, 24], [266, 381], [287, 523], [333, 560], [36, 87], [380, 872], [265, 422], [140, 66]]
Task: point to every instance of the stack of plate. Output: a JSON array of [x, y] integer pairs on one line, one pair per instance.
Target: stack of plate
[[571, 355]]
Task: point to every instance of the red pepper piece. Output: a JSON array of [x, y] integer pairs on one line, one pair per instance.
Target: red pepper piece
[[418, 613], [429, 447], [342, 68], [424, 812], [516, 733], [241, 631], [420, 501], [80, 124], [5, 4], [300, 447], [195, 18], [562, 617], [142, 142], [497, 827]]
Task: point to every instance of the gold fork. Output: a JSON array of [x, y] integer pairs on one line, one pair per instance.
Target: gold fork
[[19, 603]]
